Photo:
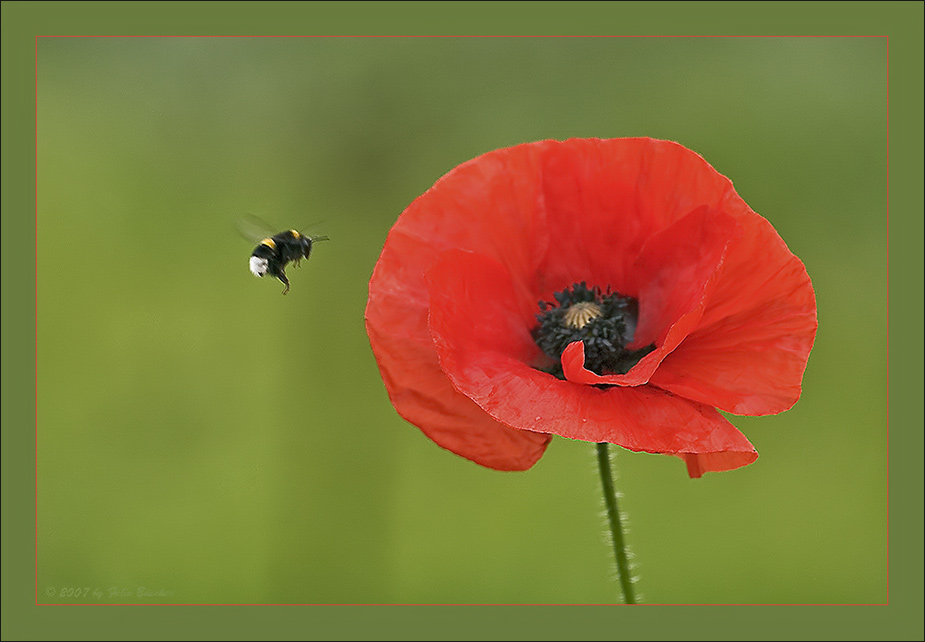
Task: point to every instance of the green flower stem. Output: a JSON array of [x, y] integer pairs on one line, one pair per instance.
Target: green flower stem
[[616, 525]]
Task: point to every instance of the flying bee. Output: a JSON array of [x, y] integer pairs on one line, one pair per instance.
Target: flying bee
[[274, 252]]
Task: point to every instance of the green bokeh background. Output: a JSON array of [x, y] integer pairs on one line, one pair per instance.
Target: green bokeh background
[[210, 441]]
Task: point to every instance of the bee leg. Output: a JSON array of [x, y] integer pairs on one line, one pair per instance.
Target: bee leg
[[282, 277]]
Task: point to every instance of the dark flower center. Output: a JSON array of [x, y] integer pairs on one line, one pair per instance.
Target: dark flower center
[[604, 322]]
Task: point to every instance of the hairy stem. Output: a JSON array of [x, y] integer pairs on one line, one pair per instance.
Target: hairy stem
[[616, 525]]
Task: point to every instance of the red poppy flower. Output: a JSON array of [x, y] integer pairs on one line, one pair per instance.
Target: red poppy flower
[[604, 290]]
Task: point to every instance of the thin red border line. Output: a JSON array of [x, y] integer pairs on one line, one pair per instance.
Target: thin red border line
[[886, 37], [36, 272], [414, 604], [325, 36], [347, 35], [888, 320]]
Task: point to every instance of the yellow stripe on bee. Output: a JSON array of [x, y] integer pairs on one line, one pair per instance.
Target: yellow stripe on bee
[[295, 234], [269, 243]]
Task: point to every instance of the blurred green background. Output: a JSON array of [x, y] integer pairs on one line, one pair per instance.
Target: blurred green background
[[209, 441]]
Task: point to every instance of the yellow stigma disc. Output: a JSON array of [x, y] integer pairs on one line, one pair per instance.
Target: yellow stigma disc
[[578, 315]]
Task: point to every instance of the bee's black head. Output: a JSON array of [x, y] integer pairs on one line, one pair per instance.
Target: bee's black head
[[306, 242]]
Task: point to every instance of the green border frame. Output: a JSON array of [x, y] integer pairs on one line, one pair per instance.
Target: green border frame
[[901, 22]]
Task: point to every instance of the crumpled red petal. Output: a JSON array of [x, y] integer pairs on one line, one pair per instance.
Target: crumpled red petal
[[397, 327], [484, 346], [602, 200], [748, 354], [673, 271]]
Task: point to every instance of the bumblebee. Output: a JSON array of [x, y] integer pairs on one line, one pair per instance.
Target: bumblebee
[[274, 253]]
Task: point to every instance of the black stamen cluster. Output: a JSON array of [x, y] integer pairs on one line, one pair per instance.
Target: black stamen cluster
[[605, 336]]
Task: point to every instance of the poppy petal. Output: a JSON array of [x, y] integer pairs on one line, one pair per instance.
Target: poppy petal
[[603, 199], [396, 322], [700, 463], [484, 345], [674, 268], [750, 350]]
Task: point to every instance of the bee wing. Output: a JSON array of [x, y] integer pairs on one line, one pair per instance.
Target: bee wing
[[310, 226], [254, 229]]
